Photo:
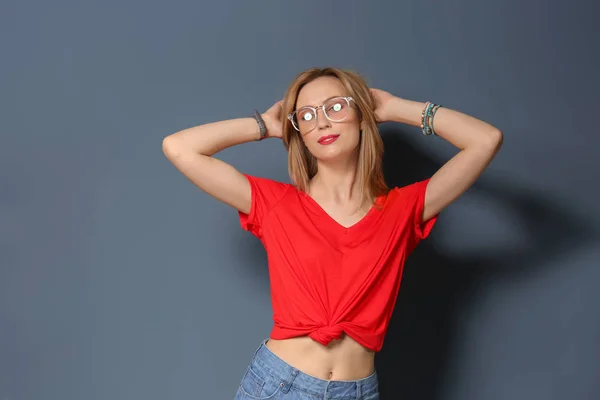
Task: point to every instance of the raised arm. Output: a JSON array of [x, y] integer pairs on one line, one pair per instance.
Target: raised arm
[[477, 140], [191, 151]]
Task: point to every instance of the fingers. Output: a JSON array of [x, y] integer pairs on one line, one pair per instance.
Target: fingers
[[277, 107], [276, 111]]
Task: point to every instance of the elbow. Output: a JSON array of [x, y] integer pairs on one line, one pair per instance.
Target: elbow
[[494, 139], [170, 147], [497, 136]]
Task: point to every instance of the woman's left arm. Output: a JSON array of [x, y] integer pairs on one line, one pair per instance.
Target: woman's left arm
[[477, 140]]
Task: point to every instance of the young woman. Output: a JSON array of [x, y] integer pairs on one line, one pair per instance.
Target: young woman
[[338, 237]]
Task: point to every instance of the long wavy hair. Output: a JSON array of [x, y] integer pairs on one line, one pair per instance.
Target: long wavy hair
[[302, 165]]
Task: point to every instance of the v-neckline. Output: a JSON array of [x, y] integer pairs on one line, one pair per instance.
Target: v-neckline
[[345, 229]]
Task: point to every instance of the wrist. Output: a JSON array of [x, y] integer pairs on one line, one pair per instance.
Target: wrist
[[269, 125], [267, 122], [253, 129], [262, 126], [407, 111]]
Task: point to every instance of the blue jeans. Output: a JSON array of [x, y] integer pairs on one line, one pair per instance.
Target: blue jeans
[[269, 377]]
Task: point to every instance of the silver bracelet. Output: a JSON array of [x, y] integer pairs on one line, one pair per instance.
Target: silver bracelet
[[261, 125]]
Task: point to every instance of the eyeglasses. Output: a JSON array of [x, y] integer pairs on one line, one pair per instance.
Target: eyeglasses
[[335, 109]]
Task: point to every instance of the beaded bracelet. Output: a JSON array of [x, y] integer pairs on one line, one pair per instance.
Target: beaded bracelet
[[261, 125], [427, 118]]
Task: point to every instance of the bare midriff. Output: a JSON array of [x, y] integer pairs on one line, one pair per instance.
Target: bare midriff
[[342, 359]]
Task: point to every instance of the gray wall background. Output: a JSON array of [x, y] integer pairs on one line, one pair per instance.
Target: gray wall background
[[120, 280]]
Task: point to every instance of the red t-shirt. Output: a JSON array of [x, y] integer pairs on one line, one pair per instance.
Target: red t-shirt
[[327, 279]]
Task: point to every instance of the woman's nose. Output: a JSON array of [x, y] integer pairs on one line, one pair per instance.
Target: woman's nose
[[322, 120]]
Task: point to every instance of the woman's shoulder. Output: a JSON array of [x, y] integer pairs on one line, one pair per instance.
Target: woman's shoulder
[[408, 191], [408, 187], [268, 185], [267, 181]]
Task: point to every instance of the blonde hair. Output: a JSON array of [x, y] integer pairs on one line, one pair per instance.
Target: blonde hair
[[302, 165]]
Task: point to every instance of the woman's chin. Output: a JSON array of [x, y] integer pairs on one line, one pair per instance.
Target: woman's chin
[[332, 153]]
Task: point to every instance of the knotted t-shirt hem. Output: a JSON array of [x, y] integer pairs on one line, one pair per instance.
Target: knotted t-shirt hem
[[323, 335]]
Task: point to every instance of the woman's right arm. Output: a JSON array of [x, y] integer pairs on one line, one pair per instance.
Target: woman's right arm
[[191, 151]]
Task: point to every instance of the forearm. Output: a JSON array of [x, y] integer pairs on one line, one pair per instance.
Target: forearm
[[213, 137], [459, 129]]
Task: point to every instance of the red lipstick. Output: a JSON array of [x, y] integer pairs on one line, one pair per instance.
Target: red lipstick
[[327, 139]]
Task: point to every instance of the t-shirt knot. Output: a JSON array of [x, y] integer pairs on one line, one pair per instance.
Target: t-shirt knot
[[326, 334]]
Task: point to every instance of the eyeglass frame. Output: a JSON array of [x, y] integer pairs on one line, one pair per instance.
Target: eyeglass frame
[[316, 109]]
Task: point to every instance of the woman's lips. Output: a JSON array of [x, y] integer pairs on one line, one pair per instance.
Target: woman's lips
[[327, 139]]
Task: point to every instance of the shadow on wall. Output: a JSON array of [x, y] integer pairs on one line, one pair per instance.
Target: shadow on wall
[[435, 287]]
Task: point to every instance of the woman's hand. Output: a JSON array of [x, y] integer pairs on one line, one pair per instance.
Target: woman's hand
[[273, 119], [384, 105]]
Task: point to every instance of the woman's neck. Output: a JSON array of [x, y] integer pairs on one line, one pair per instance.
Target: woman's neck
[[335, 183]]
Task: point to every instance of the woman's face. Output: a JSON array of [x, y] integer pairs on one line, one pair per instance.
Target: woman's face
[[328, 140]]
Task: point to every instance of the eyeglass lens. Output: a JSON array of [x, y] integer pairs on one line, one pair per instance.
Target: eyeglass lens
[[336, 110]]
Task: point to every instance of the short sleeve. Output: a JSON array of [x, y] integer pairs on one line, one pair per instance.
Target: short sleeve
[[413, 202], [266, 193]]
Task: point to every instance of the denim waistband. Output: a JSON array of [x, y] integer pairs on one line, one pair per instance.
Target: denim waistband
[[292, 377]]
